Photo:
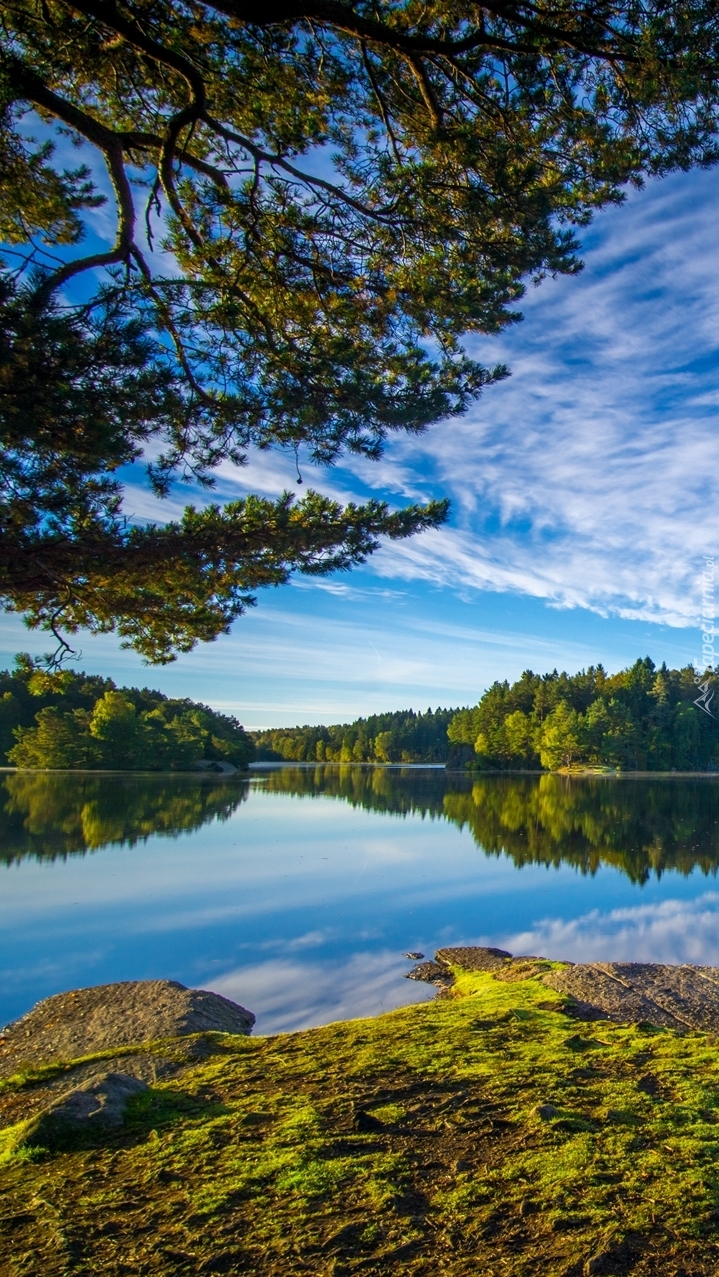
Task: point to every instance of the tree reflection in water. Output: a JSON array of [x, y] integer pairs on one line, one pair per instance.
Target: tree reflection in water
[[642, 826], [51, 814]]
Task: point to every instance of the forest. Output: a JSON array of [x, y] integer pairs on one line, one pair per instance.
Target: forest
[[641, 719], [404, 736], [78, 721]]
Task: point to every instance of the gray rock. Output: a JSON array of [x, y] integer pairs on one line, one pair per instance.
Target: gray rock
[[474, 958], [68, 1026], [95, 1106], [470, 959], [101, 1101], [431, 973], [675, 997], [546, 1112]]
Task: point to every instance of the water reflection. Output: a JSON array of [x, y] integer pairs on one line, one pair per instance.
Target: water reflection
[[641, 826], [297, 891], [45, 815]]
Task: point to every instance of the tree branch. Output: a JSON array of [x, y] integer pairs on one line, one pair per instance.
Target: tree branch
[[343, 18], [267, 157], [31, 88]]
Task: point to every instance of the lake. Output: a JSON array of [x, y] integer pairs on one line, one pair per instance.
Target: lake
[[297, 890]]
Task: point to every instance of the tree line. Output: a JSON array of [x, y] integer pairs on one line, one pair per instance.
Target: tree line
[[72, 721], [643, 719], [404, 736]]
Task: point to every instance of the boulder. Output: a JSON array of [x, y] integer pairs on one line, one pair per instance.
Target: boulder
[[474, 958], [94, 1106], [675, 997], [68, 1026]]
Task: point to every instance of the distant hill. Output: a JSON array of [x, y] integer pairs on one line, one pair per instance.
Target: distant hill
[[71, 721], [404, 736]]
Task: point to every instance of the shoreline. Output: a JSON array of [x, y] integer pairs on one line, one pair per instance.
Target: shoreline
[[467, 773], [491, 1130]]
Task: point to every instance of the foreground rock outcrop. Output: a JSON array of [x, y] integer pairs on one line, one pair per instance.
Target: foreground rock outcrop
[[84, 1021], [484, 1132], [673, 997]]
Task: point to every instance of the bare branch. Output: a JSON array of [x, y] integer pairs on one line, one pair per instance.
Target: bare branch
[[342, 18], [383, 110], [110, 16], [32, 89]]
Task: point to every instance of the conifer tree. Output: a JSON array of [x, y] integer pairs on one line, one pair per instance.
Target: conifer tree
[[312, 202]]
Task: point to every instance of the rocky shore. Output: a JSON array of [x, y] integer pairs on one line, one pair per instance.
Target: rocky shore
[[85, 1021], [537, 1118], [675, 997]]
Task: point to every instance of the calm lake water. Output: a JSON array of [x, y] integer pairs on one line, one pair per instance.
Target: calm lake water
[[296, 891]]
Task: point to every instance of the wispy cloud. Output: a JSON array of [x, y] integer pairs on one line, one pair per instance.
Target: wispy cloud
[[587, 482], [671, 931], [589, 478], [286, 994]]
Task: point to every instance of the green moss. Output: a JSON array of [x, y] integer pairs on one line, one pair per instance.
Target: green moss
[[485, 1132]]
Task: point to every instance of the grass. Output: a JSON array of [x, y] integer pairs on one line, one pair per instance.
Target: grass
[[484, 1133]]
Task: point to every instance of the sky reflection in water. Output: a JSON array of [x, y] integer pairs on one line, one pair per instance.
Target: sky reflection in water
[[296, 892]]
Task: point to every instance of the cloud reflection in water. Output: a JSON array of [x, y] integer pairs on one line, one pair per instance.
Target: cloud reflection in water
[[290, 994], [671, 931]]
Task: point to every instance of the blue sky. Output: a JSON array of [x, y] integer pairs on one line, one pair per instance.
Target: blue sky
[[584, 495]]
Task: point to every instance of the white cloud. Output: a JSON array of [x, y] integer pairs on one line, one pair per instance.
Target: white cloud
[[672, 931], [586, 481], [589, 478], [286, 995]]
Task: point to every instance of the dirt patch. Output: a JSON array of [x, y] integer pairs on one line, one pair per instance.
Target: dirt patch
[[70, 1025]]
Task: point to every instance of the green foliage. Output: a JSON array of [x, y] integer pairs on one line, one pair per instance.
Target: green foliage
[[560, 742], [334, 196], [476, 1133], [71, 721], [402, 736], [640, 719], [164, 588]]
